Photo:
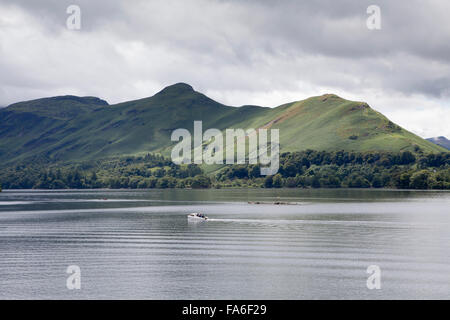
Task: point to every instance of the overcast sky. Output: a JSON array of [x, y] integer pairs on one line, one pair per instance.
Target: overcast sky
[[237, 52]]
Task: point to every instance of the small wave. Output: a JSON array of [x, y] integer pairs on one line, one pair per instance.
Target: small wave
[[324, 222], [96, 200], [12, 203]]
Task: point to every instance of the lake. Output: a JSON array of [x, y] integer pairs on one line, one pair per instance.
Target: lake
[[138, 244]]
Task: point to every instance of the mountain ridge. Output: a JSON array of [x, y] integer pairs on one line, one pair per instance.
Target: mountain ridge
[[440, 141], [66, 128]]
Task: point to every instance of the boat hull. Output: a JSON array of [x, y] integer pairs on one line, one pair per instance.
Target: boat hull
[[193, 217]]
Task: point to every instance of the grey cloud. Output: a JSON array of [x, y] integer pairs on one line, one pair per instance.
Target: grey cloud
[[52, 13], [130, 48], [238, 33]]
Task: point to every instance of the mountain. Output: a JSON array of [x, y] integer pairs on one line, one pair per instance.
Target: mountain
[[26, 127], [440, 141], [73, 128], [61, 108]]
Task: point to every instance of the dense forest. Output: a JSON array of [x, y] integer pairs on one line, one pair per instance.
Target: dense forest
[[305, 169], [151, 171], [315, 169]]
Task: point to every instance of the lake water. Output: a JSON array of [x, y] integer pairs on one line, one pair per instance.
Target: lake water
[[139, 245]]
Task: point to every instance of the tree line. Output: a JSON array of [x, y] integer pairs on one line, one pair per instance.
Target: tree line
[[337, 169], [150, 171], [304, 169]]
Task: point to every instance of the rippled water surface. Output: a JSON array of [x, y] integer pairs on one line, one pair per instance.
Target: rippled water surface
[[139, 244]]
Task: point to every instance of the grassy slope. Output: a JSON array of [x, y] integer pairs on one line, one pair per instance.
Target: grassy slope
[[327, 122], [139, 126], [26, 127], [72, 129], [60, 108]]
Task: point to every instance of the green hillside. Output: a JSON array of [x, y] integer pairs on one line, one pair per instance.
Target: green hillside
[[60, 108], [26, 127], [329, 122], [73, 128]]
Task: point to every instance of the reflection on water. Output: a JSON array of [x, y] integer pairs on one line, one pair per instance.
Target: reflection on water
[[139, 244]]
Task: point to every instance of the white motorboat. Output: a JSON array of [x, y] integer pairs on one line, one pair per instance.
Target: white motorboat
[[197, 217]]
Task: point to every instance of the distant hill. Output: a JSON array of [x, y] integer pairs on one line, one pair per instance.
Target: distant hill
[[61, 108], [70, 128], [440, 141]]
